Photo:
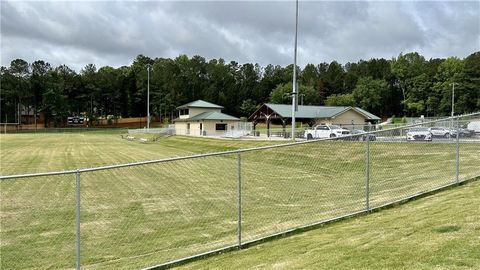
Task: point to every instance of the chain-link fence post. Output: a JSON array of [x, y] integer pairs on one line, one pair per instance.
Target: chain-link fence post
[[457, 163], [239, 201], [77, 219], [367, 172]]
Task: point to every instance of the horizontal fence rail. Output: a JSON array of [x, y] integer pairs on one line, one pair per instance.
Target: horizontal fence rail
[[158, 213]]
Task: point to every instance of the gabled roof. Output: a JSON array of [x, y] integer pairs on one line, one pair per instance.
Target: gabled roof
[[306, 111], [200, 104], [209, 116], [285, 110], [368, 115]]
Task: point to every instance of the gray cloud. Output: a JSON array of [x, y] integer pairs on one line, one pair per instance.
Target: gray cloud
[[113, 33]]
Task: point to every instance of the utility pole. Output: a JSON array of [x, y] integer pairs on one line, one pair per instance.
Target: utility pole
[[294, 92], [148, 96]]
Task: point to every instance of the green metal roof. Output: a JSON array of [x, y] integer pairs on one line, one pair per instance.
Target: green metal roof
[[209, 116], [305, 111], [200, 104]]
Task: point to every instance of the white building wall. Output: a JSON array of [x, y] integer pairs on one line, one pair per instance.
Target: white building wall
[[180, 128], [210, 127], [204, 128]]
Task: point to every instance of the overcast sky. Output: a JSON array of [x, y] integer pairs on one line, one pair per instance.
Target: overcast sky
[[76, 33]]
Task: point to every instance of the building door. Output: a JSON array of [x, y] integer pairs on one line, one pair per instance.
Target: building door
[[188, 129], [201, 129]]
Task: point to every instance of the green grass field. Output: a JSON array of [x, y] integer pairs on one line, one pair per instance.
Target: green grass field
[[141, 216], [441, 231], [30, 153]]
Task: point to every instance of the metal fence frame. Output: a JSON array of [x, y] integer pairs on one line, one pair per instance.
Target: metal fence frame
[[77, 176]]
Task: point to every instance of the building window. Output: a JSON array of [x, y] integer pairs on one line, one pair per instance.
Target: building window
[[220, 126], [184, 112]]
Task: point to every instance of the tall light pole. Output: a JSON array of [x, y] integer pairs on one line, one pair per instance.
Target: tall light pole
[[294, 92], [148, 96], [453, 97]]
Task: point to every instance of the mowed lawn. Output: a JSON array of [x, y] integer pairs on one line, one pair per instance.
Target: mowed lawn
[[441, 231], [141, 216], [42, 152]]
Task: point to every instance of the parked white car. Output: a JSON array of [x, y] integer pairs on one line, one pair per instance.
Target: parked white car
[[475, 126], [419, 134], [325, 131], [440, 132]]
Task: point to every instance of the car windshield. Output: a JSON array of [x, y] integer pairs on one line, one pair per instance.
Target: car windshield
[[419, 129]]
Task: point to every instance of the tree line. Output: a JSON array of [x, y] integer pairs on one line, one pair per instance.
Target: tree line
[[407, 85]]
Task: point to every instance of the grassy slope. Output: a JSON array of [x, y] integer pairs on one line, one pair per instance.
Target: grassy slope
[[436, 232], [140, 216]]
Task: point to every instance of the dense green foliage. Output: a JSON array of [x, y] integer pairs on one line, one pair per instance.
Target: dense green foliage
[[406, 85]]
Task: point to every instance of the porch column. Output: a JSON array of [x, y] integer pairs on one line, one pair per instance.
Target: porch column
[[284, 127], [268, 126]]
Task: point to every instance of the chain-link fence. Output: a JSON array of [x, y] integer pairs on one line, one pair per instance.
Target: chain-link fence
[[162, 211]]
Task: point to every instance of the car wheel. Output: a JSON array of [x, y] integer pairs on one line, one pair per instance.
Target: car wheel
[[332, 135], [447, 135], [309, 137]]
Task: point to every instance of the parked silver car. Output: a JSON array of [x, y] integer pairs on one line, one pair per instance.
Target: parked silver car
[[440, 132]]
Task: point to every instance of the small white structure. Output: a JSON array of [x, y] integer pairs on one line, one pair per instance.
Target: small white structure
[[201, 118]]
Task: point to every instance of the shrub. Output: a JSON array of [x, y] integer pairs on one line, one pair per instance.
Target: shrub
[[394, 119]]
